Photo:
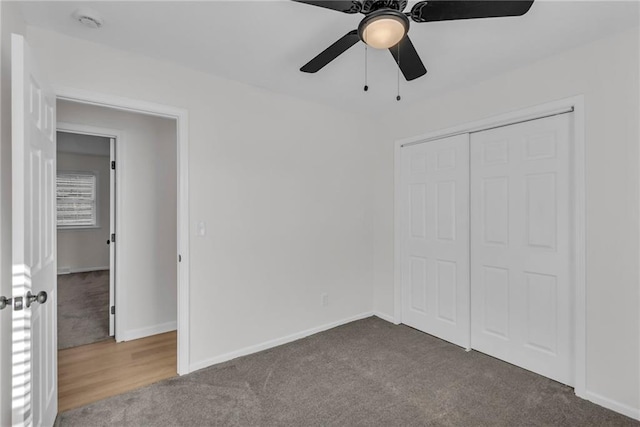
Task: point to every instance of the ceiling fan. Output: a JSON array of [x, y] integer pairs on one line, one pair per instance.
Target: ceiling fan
[[385, 26]]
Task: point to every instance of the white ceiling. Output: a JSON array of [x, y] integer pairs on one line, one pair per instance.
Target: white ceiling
[[264, 43]]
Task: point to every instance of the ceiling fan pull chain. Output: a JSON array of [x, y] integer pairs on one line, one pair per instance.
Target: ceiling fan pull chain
[[366, 85], [398, 98]]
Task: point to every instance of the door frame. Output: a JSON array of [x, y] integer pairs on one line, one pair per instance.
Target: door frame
[[182, 150], [578, 182], [116, 136], [112, 230]]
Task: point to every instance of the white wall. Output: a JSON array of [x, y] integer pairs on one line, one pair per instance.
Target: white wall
[[146, 264], [79, 143], [282, 184], [10, 21], [86, 249], [606, 72]]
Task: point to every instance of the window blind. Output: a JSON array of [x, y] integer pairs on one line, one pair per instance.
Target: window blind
[[76, 199]]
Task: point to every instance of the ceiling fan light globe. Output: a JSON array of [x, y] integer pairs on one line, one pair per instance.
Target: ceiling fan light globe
[[383, 30], [384, 33]]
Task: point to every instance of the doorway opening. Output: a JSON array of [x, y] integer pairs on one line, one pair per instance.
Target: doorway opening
[[126, 198], [85, 195]]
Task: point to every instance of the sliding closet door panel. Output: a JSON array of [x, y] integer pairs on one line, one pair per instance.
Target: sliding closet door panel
[[521, 287], [435, 238]]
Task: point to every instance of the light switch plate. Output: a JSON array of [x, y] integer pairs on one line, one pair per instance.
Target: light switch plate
[[202, 228]]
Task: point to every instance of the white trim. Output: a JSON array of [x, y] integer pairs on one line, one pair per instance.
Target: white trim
[[113, 190], [182, 123], [580, 246], [65, 151], [579, 188], [397, 230], [616, 406], [385, 316], [135, 334], [118, 102], [68, 270], [275, 342], [78, 228], [524, 114], [81, 129]]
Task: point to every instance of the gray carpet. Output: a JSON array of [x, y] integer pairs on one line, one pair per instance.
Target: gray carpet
[[366, 373], [83, 308]]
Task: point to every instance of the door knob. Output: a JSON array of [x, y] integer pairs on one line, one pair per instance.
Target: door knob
[[40, 298], [4, 301]]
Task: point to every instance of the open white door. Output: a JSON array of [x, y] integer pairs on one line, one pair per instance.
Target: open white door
[[112, 232], [34, 388]]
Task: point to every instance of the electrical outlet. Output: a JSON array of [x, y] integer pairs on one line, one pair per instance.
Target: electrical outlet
[[324, 299]]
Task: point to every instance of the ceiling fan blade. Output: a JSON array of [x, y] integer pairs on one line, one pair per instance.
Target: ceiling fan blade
[[408, 59], [331, 53], [439, 10], [346, 6]]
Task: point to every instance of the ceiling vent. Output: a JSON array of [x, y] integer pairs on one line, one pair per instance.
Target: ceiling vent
[[88, 18]]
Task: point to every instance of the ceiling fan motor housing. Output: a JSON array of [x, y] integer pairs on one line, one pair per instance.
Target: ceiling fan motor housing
[[369, 6]]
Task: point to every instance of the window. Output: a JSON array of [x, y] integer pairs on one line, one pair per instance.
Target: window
[[76, 199]]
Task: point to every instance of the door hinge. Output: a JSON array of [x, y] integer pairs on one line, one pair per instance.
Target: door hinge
[[113, 237], [113, 309], [113, 164]]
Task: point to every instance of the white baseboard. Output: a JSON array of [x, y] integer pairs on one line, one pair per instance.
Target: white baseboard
[[69, 270], [274, 343], [385, 316], [135, 334], [621, 408]]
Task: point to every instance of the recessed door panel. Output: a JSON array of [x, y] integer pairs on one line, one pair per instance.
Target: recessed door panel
[[541, 210], [495, 152], [542, 305], [446, 210], [447, 286], [446, 158], [417, 206], [418, 284], [495, 210], [418, 164], [541, 146], [495, 291]]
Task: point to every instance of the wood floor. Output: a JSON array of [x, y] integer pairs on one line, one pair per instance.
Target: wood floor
[[96, 371]]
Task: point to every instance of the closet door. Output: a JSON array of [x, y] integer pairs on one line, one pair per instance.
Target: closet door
[[435, 238], [521, 288]]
